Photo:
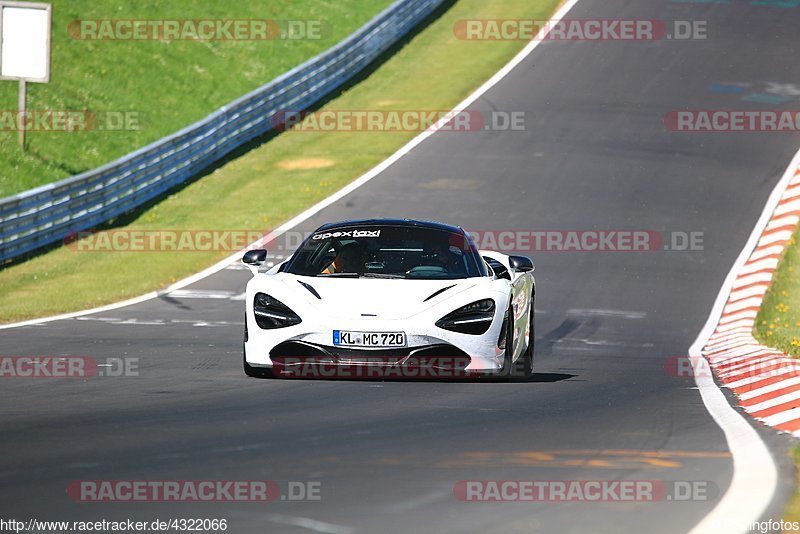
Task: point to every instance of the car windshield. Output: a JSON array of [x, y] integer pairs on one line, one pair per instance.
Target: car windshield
[[386, 251]]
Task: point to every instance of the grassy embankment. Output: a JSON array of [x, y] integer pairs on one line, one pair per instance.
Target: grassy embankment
[[278, 179], [159, 86]]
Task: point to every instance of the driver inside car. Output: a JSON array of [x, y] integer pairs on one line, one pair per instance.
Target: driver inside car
[[350, 259], [439, 254]]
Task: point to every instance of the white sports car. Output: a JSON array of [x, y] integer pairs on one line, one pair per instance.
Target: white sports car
[[389, 298]]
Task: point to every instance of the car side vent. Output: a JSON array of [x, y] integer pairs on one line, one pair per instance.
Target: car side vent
[[438, 292], [311, 289]]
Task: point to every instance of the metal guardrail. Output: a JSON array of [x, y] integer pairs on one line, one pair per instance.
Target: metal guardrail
[[53, 212]]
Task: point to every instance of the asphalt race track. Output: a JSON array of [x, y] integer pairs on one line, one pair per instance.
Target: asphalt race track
[[595, 155]]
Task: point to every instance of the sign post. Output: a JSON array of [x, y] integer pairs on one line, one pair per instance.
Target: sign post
[[24, 49], [22, 107]]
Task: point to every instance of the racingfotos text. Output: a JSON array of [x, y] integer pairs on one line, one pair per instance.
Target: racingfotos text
[[774, 526]]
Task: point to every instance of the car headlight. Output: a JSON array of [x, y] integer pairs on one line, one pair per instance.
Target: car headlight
[[272, 313], [474, 318]]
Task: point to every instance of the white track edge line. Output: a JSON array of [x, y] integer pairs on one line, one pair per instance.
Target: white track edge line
[[755, 476], [352, 186], [738, 506]]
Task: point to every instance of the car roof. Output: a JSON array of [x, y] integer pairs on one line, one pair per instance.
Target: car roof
[[391, 222]]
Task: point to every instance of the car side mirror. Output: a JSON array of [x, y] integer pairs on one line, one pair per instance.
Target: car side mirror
[[500, 270], [521, 264], [255, 257]]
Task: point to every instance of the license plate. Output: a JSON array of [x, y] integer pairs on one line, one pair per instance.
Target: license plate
[[344, 338]]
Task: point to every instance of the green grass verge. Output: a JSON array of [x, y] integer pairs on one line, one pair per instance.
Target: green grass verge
[[792, 511], [165, 85], [778, 320], [434, 71]]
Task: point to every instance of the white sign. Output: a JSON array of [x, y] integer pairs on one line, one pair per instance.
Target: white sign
[[25, 41]]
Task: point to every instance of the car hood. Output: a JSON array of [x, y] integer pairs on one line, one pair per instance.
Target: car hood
[[366, 297]]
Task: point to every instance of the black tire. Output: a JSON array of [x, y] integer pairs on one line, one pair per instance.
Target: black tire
[[507, 371], [523, 367], [527, 358]]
